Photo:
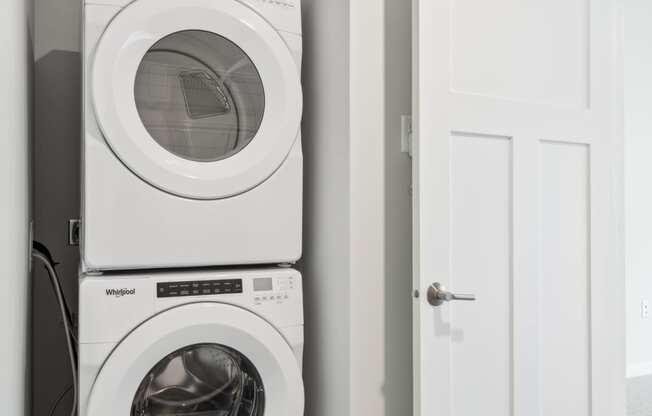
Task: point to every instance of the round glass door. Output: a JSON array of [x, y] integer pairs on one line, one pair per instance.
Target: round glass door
[[199, 95], [202, 379], [200, 99], [200, 359]]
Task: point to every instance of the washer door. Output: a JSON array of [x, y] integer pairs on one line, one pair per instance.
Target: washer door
[[200, 98], [200, 359]]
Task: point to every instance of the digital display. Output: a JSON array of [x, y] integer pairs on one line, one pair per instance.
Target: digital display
[[263, 283]]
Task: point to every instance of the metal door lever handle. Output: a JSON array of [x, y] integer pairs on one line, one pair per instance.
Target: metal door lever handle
[[437, 294]]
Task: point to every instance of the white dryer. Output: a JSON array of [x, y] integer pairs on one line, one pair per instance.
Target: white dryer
[[193, 343], [191, 137]]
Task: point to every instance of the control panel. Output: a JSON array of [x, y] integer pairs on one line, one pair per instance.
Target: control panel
[[198, 288], [276, 290]]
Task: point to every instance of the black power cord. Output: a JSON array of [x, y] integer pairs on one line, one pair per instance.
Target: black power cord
[[41, 253], [54, 407]]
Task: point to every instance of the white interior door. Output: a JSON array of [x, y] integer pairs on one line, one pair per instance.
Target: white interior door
[[516, 128]]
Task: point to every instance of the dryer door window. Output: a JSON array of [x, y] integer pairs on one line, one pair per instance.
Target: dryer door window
[[199, 95], [202, 379], [200, 99]]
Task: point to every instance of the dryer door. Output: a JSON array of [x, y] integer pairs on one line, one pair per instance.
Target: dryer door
[[200, 359], [200, 98]]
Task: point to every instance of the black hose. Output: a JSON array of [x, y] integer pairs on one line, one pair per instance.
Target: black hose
[[47, 261], [54, 407]]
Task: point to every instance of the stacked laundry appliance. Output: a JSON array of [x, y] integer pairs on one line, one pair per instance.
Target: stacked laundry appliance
[[191, 208]]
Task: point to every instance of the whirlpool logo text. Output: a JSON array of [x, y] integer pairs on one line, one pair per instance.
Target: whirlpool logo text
[[118, 293]]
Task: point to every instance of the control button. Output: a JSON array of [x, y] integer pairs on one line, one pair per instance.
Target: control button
[[198, 288]]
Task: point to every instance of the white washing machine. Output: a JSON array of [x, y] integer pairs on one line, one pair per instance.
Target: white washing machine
[[191, 343], [191, 137]]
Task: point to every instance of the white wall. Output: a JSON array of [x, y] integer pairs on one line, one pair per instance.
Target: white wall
[[398, 211], [638, 182], [357, 261], [15, 118], [367, 164], [326, 256], [58, 26], [381, 212]]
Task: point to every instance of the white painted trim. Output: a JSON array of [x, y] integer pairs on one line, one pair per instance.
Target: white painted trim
[[367, 168], [326, 260], [16, 115]]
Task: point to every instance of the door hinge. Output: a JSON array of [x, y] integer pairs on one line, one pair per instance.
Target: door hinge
[[406, 134]]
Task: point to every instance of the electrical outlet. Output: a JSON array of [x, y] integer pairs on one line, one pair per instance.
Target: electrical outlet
[[73, 232], [645, 309]]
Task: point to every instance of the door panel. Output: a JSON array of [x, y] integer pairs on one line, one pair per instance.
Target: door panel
[[521, 50], [481, 251], [515, 121], [564, 284]]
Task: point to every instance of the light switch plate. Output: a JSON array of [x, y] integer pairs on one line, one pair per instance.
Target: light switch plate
[[406, 135]]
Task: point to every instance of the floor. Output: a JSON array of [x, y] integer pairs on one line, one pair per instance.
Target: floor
[[639, 396]]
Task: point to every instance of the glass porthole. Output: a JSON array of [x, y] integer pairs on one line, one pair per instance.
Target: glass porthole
[[203, 379], [199, 95]]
